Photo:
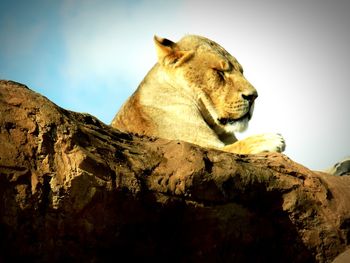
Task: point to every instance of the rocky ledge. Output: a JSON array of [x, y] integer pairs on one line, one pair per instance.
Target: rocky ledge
[[74, 189]]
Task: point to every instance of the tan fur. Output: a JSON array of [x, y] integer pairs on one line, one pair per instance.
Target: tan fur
[[195, 93]]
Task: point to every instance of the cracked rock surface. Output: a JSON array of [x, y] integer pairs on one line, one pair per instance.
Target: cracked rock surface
[[74, 189]]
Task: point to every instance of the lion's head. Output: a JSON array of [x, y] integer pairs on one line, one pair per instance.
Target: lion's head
[[213, 78]]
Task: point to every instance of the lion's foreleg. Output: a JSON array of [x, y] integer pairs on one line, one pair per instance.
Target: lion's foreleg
[[267, 142]]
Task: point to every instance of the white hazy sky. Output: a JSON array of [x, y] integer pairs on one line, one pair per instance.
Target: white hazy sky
[[90, 55]]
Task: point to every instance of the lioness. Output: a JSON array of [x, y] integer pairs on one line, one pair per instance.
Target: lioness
[[196, 92]]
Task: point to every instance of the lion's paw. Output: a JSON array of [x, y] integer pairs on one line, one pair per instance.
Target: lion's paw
[[267, 142]]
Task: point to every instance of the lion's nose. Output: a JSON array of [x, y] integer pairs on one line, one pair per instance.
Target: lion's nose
[[250, 97]]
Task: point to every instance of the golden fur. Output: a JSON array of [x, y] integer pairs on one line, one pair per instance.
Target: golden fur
[[195, 93]]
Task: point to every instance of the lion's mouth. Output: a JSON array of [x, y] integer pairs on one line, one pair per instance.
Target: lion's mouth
[[225, 121], [230, 121]]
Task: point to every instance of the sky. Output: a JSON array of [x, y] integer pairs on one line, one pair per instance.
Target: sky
[[90, 55]]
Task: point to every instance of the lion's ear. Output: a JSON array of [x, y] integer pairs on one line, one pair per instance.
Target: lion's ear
[[169, 53]]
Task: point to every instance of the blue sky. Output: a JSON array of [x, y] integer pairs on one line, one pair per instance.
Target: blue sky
[[89, 56]]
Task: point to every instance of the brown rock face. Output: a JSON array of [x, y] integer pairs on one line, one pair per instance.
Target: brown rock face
[[73, 189]]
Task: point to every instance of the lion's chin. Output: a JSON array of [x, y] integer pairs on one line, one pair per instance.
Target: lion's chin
[[230, 121], [237, 126]]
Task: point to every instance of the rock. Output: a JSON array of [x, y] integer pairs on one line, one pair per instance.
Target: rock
[[341, 168], [74, 189], [343, 257]]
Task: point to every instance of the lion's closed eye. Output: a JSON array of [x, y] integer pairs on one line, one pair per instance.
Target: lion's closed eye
[[220, 74]]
